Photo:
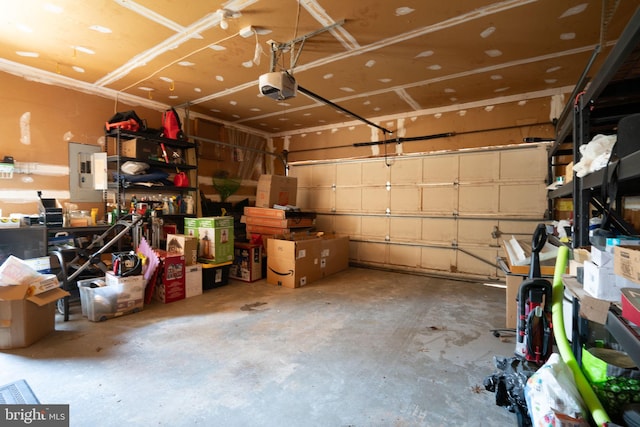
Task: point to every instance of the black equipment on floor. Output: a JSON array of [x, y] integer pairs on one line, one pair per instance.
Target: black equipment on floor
[[534, 331]]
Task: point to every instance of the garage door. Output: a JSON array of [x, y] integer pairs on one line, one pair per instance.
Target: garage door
[[439, 213]]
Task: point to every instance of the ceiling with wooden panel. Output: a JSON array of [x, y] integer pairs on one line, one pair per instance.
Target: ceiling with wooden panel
[[375, 58]]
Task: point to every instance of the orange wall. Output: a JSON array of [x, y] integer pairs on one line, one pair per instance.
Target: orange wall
[[57, 116]]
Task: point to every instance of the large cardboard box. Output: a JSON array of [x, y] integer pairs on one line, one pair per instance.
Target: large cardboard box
[[182, 244], [296, 263], [140, 149], [334, 255], [626, 262], [215, 239], [247, 262], [293, 263], [276, 190], [26, 319]]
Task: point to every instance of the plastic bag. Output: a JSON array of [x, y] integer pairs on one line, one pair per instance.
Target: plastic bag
[[508, 384], [595, 154], [553, 398]]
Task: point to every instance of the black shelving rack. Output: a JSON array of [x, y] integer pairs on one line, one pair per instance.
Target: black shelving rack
[[597, 107], [123, 192]]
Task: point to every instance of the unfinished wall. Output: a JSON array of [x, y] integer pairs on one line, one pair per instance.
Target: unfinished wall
[[478, 126], [37, 122]]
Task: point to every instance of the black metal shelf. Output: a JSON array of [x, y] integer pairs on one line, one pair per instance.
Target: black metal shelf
[[150, 188], [625, 334], [154, 163], [127, 134], [629, 170]]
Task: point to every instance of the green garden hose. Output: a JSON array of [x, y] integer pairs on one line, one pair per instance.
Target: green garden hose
[[598, 413]]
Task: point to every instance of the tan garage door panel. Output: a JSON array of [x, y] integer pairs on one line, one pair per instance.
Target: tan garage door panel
[[303, 175], [520, 165], [439, 230], [349, 199], [407, 171], [375, 199], [478, 199], [375, 227], [348, 224], [374, 173], [479, 167], [349, 174], [408, 256], [303, 196], [324, 175], [320, 199], [440, 169], [405, 199], [372, 252], [407, 229], [524, 199], [439, 259], [476, 231], [470, 264], [440, 200]]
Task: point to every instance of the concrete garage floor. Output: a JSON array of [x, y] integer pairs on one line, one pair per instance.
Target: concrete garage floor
[[360, 348]]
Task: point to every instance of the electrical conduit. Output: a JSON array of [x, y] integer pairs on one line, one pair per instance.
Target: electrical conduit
[[598, 413]]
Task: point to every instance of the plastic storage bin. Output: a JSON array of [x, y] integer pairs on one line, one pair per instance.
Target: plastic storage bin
[[119, 296]]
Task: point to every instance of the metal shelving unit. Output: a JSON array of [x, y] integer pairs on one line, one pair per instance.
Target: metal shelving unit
[[597, 107]]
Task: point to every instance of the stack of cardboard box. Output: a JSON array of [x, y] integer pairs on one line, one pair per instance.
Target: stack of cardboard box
[[277, 221]]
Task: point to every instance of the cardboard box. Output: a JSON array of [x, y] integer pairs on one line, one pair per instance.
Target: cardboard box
[[276, 190], [44, 284], [140, 149], [170, 286], [513, 286], [111, 296], [626, 262], [296, 263], [182, 244], [193, 280], [247, 262], [214, 276], [277, 222], [26, 319], [191, 227], [334, 255], [215, 239], [599, 282], [293, 263], [601, 258]]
